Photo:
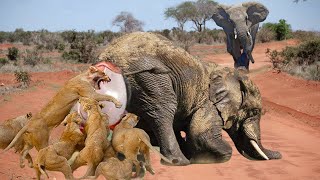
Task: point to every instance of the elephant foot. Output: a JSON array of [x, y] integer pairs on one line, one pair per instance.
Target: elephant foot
[[176, 161], [209, 158]]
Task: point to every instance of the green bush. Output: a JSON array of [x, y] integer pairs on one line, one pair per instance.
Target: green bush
[[71, 55], [23, 77], [3, 61], [13, 53], [282, 30]]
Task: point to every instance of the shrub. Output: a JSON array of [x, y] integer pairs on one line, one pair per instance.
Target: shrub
[[23, 77], [303, 60], [61, 47], [3, 61], [183, 39], [70, 55], [266, 35], [4, 36], [47, 40], [282, 30], [32, 57], [82, 48], [13, 53], [305, 35], [105, 37]]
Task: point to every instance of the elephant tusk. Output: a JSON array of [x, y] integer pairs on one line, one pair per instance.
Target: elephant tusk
[[235, 33], [257, 148], [249, 33]]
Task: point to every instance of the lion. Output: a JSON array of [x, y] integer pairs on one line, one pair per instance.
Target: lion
[[36, 132], [114, 169], [96, 143], [131, 141], [9, 129], [55, 157]]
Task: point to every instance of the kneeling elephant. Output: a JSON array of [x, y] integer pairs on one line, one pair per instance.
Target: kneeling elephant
[[172, 92]]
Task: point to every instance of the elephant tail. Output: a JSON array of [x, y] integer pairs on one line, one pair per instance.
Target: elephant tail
[[147, 142]]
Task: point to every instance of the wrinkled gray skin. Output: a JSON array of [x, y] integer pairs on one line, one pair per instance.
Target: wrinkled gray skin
[[175, 92], [240, 23]]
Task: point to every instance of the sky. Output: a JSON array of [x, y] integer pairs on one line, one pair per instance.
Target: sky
[[83, 15]]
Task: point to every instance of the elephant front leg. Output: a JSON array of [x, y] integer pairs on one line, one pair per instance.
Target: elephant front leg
[[206, 137], [167, 141]]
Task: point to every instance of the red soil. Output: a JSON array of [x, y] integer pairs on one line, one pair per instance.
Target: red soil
[[290, 125]]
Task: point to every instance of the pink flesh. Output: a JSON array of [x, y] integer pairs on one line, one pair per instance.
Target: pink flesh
[[116, 88]]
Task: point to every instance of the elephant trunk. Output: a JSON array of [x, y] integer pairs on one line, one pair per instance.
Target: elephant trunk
[[246, 42], [248, 143]]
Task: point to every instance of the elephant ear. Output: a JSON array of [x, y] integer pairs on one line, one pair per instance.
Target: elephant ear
[[221, 17], [256, 12]]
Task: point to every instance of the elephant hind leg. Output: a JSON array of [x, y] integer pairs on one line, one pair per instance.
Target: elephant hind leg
[[205, 134]]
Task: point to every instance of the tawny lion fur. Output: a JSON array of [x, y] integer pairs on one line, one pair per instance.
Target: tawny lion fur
[[36, 132], [114, 169], [9, 129], [55, 157], [131, 141], [96, 143]]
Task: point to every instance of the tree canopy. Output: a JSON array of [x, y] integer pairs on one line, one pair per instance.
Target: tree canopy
[[127, 22], [198, 12]]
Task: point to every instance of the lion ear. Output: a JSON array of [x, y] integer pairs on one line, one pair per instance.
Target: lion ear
[[66, 119], [29, 115], [93, 69]]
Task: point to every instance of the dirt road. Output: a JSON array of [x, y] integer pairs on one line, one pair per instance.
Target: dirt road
[[291, 125]]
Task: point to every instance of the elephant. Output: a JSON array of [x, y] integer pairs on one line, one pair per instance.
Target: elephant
[[240, 23], [173, 92]]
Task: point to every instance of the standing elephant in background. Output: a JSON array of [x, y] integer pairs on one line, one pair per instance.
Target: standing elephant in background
[[240, 23], [171, 91]]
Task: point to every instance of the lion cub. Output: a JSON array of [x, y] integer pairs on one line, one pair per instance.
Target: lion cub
[[96, 143], [55, 157], [36, 132], [131, 141], [9, 129]]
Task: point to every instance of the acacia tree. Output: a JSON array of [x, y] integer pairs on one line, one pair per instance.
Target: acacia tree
[[127, 22], [181, 13], [198, 12], [202, 12]]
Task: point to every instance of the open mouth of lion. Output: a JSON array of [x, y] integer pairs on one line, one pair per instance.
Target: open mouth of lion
[[99, 80]]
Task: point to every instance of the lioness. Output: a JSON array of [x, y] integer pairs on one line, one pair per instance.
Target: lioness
[[131, 141], [96, 142], [55, 157], [114, 169], [9, 129], [36, 132]]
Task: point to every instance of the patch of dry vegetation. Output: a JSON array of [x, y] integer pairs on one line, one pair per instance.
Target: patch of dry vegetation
[[302, 60]]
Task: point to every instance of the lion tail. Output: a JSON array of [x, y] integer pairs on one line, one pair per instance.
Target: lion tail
[[145, 140], [16, 138], [42, 170]]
